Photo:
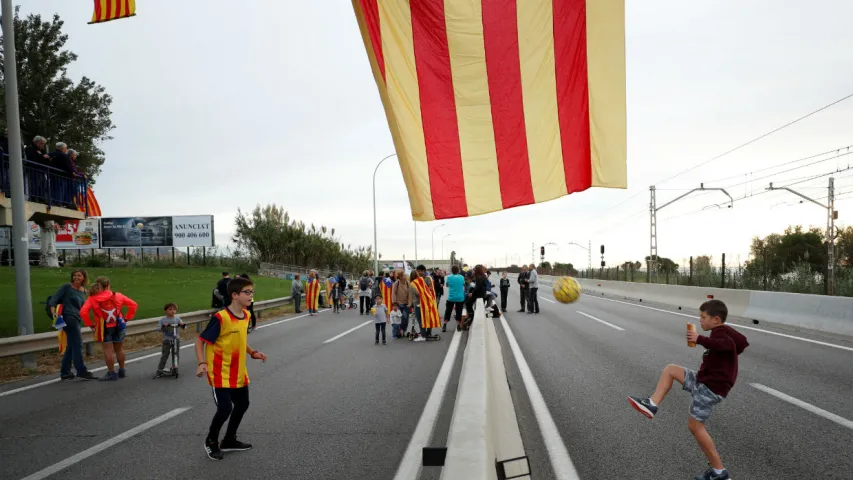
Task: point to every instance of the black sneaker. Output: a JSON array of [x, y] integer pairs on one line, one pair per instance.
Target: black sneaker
[[710, 475], [444, 328], [212, 448], [67, 376], [121, 373], [521, 311], [644, 406], [234, 445], [109, 377], [87, 375]]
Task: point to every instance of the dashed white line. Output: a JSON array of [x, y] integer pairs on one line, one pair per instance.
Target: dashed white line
[[57, 467], [348, 331], [601, 321], [792, 337], [547, 299], [560, 460], [805, 406]]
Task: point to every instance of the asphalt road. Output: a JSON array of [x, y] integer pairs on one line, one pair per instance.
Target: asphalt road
[[346, 409], [585, 369]]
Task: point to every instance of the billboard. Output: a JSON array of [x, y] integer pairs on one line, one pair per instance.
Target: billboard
[[179, 231], [72, 234]]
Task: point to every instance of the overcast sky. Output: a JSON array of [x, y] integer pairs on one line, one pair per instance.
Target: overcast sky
[[221, 105]]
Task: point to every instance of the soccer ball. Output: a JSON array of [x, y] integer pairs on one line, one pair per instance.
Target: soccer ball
[[566, 290]]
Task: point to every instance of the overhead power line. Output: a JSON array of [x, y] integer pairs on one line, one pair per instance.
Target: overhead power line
[[836, 102]]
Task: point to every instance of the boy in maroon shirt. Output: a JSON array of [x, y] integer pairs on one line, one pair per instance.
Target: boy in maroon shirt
[[715, 379]]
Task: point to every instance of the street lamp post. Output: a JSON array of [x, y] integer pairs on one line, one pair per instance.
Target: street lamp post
[[432, 243], [442, 246], [375, 236]]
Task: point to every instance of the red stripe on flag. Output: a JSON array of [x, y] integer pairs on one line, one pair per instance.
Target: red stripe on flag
[[371, 19], [127, 7], [438, 109], [109, 15], [573, 91], [234, 374], [98, 11], [217, 368], [500, 35]]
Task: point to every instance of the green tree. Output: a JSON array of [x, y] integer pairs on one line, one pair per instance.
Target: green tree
[[784, 252], [51, 104], [268, 234], [664, 265], [844, 247], [702, 265]]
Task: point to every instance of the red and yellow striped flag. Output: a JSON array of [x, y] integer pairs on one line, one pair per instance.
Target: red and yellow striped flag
[[106, 10], [493, 104]]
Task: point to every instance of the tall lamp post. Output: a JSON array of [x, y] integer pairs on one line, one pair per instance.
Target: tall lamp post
[[432, 243], [442, 246], [375, 236], [141, 252]]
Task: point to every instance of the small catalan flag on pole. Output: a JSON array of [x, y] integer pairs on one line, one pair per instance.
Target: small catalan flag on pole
[[106, 10]]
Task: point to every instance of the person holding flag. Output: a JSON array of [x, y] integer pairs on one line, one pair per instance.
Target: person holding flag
[[312, 293], [385, 287], [426, 309]]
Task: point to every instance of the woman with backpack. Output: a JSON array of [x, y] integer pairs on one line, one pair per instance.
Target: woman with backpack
[[67, 302], [109, 323], [365, 290]]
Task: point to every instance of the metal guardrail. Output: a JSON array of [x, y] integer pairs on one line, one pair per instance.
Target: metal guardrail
[[48, 185], [12, 346]]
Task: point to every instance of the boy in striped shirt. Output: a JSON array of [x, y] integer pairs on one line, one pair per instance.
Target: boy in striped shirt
[[221, 352]]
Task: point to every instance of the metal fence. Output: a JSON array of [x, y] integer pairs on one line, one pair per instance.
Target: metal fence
[[798, 279], [47, 185]]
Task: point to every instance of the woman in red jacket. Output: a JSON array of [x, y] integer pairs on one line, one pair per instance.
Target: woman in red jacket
[[109, 323]]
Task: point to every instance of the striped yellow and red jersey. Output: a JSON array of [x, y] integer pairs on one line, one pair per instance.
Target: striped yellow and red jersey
[[226, 339]]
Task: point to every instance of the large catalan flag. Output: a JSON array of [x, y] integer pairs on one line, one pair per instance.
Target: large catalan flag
[[493, 104], [106, 10]]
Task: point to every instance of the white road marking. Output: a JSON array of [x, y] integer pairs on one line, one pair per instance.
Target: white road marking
[[348, 331], [817, 342], [57, 467], [805, 406], [601, 321], [547, 299], [132, 360], [410, 466], [560, 460]]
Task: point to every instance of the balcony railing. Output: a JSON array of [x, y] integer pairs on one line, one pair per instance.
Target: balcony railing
[[47, 185]]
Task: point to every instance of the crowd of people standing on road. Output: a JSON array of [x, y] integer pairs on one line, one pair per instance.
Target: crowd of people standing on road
[[528, 281]]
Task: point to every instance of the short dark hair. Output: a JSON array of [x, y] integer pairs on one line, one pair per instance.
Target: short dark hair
[[225, 274], [422, 268], [237, 285], [455, 269], [170, 305], [715, 308]]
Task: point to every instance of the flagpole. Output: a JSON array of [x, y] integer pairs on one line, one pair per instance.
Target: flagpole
[[16, 174], [375, 237]]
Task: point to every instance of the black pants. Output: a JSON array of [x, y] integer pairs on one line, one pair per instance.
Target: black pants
[[231, 402], [504, 294], [364, 304], [533, 301], [297, 300], [380, 326], [448, 309], [523, 296]]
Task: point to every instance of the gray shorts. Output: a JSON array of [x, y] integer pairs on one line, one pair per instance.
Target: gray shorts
[[704, 399]]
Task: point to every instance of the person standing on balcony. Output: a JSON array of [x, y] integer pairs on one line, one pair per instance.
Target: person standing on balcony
[[61, 191], [36, 153]]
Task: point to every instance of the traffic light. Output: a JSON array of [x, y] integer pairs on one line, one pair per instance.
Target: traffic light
[[602, 249], [542, 250]]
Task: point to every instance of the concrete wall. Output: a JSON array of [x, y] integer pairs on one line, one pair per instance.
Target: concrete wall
[[816, 312]]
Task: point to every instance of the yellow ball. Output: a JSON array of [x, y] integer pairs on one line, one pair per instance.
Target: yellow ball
[[373, 311], [566, 290]]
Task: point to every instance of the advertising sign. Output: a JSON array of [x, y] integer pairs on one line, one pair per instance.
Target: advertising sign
[[72, 234], [180, 231], [192, 231], [136, 232]]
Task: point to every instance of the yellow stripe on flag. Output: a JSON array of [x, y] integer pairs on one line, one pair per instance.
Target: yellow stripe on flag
[[464, 21], [106, 10], [605, 46], [401, 81], [539, 88]]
